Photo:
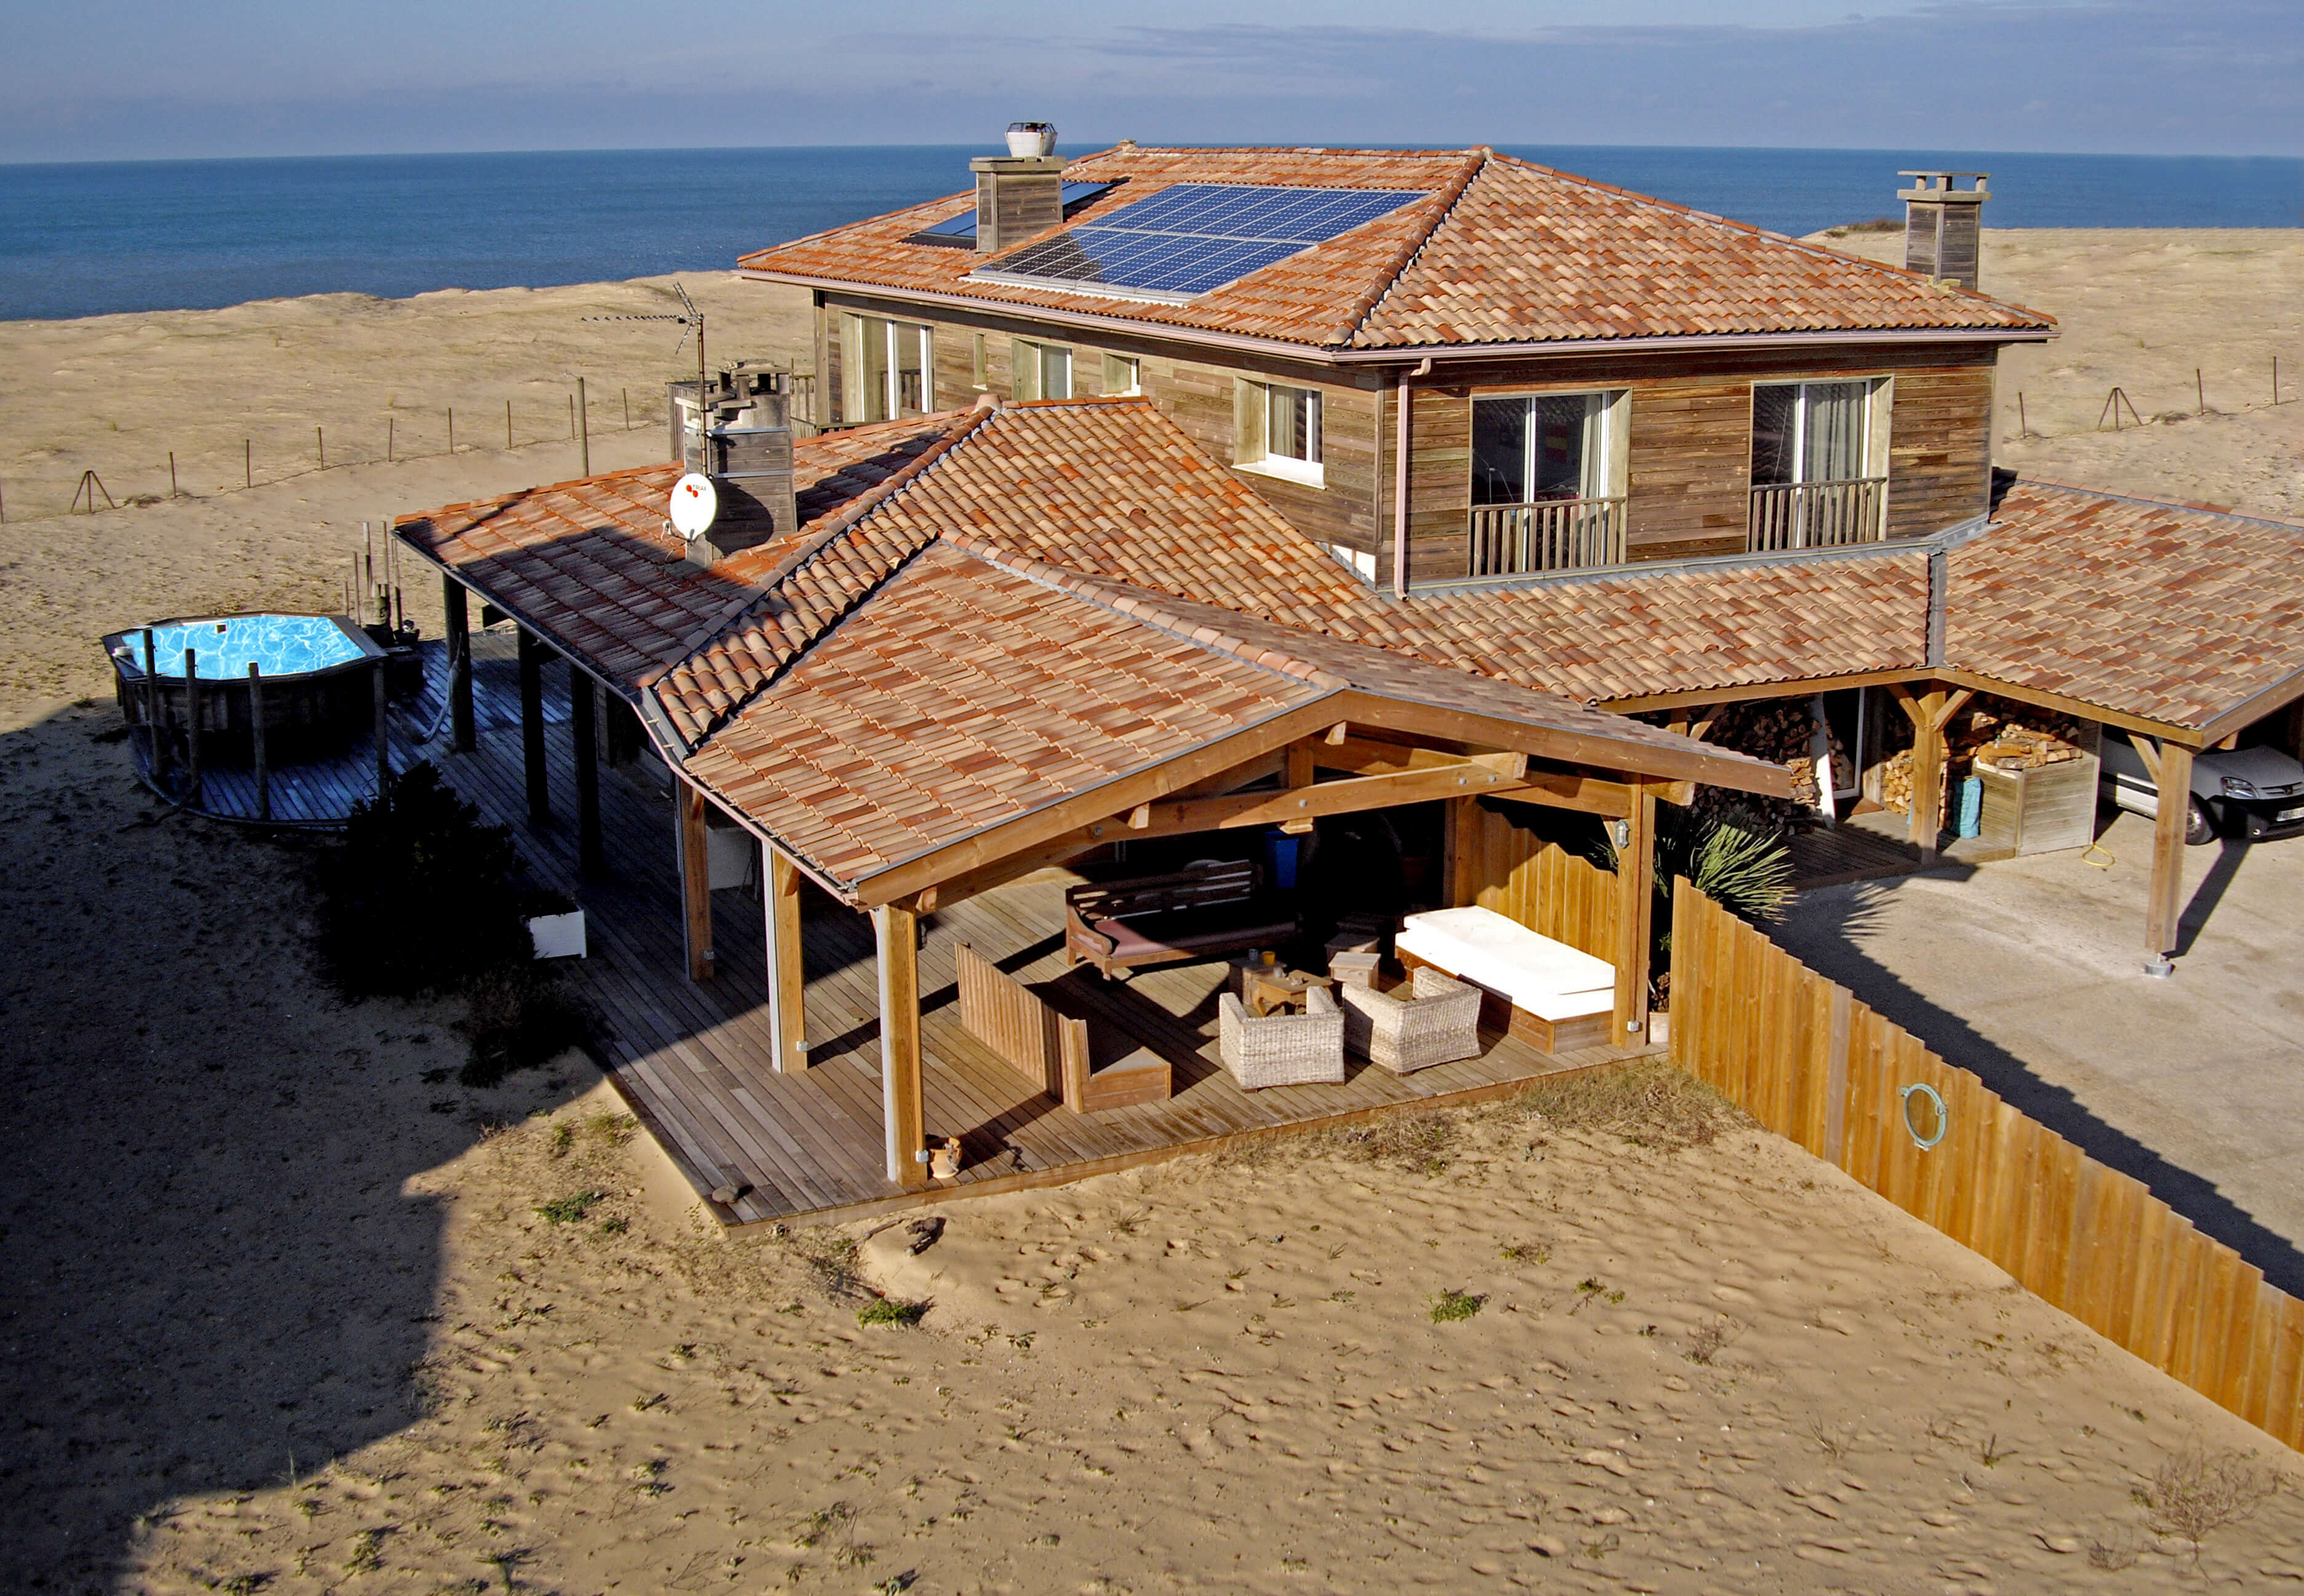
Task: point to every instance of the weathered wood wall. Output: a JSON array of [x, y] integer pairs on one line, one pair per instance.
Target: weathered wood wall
[[1517, 875], [1812, 1064], [1939, 450], [999, 1012]]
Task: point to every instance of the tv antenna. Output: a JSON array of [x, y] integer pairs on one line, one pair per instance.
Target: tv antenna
[[688, 316]]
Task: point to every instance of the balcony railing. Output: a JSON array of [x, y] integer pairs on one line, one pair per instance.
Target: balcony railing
[[1816, 515], [1510, 540]]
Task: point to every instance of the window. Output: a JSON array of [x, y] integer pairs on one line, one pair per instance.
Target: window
[[1122, 375], [1546, 448], [1819, 464], [885, 369], [1041, 371], [1810, 432], [1278, 429]]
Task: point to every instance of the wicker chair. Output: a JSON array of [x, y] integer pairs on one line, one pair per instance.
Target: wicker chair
[[1283, 1050], [1438, 1022]]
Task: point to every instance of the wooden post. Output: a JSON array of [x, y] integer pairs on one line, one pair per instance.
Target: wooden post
[[256, 741], [897, 932], [694, 844], [531, 729], [583, 431], [154, 746], [507, 423], [383, 740], [461, 739], [1928, 774], [1635, 914], [585, 736], [192, 729], [1458, 821], [787, 981], [2166, 902]]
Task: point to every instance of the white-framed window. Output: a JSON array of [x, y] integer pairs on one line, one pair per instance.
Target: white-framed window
[[1122, 375], [885, 371], [1278, 428], [1819, 432], [1546, 448], [1040, 371]]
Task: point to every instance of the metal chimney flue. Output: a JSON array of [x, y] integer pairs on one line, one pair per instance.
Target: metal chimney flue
[[740, 435], [1943, 224]]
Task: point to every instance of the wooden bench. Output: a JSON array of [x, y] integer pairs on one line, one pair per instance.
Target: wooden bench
[[1206, 913], [1046, 1048]]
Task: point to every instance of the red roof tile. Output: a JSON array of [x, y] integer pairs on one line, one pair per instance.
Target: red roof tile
[[1501, 251]]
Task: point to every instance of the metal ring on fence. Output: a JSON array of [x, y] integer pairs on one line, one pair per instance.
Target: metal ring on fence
[[1936, 1101]]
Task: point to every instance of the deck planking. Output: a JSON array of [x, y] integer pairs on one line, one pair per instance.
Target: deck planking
[[692, 1059]]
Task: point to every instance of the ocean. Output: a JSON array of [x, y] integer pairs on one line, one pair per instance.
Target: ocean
[[95, 238]]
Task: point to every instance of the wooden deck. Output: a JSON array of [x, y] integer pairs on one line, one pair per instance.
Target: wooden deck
[[1852, 851], [692, 1059]]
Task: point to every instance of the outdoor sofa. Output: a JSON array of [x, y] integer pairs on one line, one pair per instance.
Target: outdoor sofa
[[1542, 991]]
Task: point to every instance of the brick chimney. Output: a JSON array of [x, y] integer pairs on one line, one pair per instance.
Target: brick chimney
[[1942, 221]]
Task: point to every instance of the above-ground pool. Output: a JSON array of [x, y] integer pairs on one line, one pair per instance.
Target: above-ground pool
[[315, 672], [224, 646]]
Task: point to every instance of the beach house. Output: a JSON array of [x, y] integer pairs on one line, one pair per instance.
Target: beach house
[[1264, 536]]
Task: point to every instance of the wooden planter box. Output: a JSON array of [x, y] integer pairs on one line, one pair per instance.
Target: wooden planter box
[[2040, 810]]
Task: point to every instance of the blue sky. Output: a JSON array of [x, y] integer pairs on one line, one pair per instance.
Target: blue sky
[[136, 79]]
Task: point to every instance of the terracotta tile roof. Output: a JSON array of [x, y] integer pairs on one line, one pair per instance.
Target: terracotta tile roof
[[2175, 613], [589, 563], [1500, 251], [963, 696]]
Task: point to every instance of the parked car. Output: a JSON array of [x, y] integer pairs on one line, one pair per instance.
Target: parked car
[[2240, 793]]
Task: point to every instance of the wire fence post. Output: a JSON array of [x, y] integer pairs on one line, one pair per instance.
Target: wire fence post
[[387, 440], [452, 429], [248, 459], [507, 423], [320, 437], [172, 473]]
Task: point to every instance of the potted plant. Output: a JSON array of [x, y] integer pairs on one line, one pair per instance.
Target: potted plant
[[1029, 139]]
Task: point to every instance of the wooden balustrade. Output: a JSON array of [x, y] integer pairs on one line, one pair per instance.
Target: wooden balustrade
[[1816, 515], [1510, 540]]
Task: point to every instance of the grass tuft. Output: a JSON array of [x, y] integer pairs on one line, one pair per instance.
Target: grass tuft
[[1421, 1142], [1452, 1306], [889, 1310], [1647, 1103], [572, 1209]]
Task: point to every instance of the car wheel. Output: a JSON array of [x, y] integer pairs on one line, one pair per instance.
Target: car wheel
[[2200, 825]]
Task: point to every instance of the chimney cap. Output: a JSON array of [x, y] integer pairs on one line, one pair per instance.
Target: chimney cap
[[1940, 184]]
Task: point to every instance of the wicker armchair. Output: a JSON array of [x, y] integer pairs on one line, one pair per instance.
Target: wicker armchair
[[1438, 1022], [1283, 1050]]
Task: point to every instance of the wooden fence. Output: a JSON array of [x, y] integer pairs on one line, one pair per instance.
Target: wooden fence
[[1811, 1063], [1519, 876], [1048, 1049]]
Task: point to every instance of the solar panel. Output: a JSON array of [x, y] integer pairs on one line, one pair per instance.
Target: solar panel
[[1187, 239], [962, 229]]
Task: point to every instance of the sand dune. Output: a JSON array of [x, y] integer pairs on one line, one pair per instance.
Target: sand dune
[[285, 1313]]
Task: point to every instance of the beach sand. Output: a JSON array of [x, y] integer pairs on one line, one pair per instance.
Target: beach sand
[[283, 1315]]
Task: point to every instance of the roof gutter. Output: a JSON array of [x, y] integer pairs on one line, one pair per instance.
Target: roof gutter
[[1329, 355]]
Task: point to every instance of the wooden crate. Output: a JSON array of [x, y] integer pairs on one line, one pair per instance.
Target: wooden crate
[[2043, 809]]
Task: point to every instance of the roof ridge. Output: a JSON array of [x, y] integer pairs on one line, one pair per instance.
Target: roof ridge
[[1637, 197], [1442, 205], [771, 585]]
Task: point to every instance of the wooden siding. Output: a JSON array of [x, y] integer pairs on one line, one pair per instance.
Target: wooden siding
[[1516, 874], [1811, 1063], [1939, 449]]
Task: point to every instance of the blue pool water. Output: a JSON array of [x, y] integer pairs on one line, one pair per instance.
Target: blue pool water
[[277, 645]]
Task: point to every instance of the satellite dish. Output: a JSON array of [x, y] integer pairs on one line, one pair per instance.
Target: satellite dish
[[695, 502]]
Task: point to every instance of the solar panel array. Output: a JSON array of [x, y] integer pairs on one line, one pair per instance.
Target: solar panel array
[[1194, 237], [962, 229]]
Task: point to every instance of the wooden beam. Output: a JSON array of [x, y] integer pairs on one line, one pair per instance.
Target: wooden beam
[[2288, 693], [2078, 708], [1953, 702], [896, 933], [1300, 763], [1257, 769], [1056, 851], [787, 980], [461, 737], [1597, 750], [1348, 796], [583, 735], [1635, 917], [2147, 751], [694, 850], [1925, 823], [531, 729], [2165, 905]]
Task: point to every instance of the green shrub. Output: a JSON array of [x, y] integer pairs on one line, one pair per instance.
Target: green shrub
[[570, 1209], [889, 1310], [1452, 1306]]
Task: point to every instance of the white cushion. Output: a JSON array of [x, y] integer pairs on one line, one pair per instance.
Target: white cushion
[[1546, 977]]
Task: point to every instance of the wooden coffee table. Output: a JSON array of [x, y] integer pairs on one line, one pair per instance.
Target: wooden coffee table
[[1274, 989]]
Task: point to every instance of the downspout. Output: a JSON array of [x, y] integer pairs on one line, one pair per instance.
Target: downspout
[[1400, 481]]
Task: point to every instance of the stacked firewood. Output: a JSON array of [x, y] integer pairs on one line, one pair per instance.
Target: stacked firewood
[[1782, 732], [2003, 736]]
